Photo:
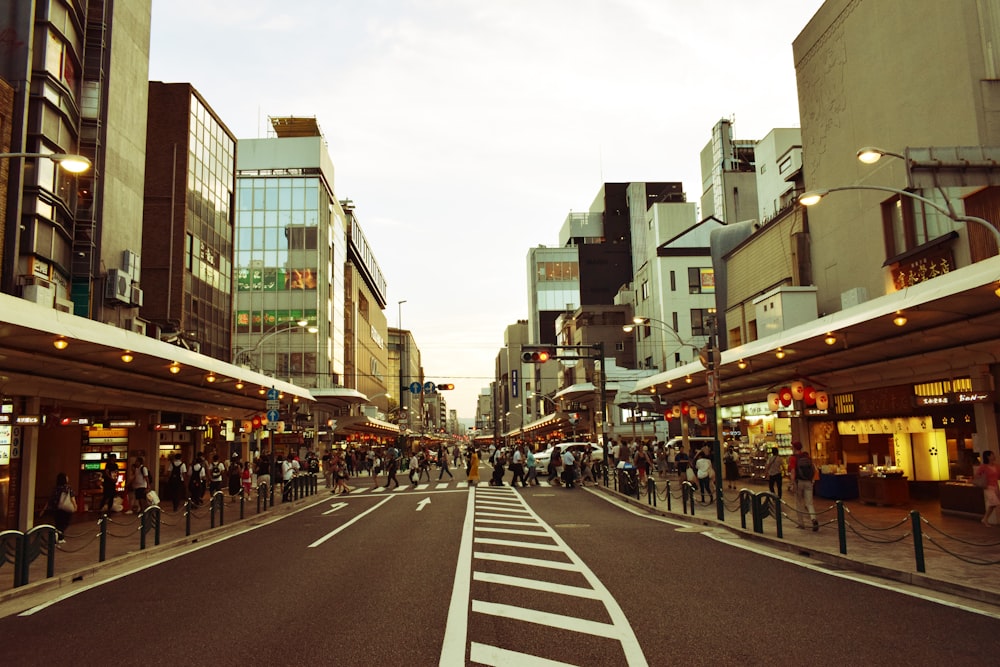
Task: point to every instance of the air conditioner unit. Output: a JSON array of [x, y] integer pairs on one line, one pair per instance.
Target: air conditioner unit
[[65, 305], [117, 286], [39, 294], [136, 299], [130, 264], [138, 326]]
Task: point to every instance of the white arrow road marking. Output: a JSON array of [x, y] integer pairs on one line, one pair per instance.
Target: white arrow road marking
[[334, 532], [334, 507], [423, 503]]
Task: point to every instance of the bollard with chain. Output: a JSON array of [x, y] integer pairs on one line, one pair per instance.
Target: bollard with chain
[[841, 527], [103, 550], [918, 540]]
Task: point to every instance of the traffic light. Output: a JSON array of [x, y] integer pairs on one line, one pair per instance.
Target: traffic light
[[445, 387], [534, 354]]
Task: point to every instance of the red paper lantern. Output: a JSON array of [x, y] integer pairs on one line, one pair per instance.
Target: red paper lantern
[[809, 396], [785, 396], [684, 407], [702, 416]]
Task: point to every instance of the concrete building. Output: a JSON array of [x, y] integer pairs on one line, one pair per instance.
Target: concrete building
[[729, 182], [188, 221]]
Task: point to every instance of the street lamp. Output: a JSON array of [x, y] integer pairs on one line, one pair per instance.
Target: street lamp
[[645, 321], [812, 197], [74, 164], [250, 353]]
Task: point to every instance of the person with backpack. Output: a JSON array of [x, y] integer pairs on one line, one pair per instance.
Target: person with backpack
[[802, 472], [196, 484], [235, 476], [140, 485], [175, 481], [216, 471]]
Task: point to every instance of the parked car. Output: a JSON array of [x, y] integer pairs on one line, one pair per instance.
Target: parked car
[[596, 453]]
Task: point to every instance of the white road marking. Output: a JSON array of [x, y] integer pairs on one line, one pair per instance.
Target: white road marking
[[357, 518], [482, 654], [423, 503], [457, 627]]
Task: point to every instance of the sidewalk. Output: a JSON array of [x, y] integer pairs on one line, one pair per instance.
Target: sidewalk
[[79, 557], [961, 555]]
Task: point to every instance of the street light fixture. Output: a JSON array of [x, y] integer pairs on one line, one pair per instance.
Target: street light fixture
[[74, 164], [249, 354], [812, 197]]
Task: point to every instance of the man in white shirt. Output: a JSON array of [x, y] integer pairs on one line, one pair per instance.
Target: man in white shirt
[[569, 468]]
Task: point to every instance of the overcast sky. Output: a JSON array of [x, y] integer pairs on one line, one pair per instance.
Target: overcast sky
[[465, 131]]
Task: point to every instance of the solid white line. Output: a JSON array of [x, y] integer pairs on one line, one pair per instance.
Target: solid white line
[[534, 584], [512, 543], [861, 579], [357, 518], [483, 654], [457, 626], [521, 560], [201, 544]]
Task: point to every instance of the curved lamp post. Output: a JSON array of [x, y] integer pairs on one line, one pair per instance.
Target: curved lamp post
[[250, 353], [812, 197]]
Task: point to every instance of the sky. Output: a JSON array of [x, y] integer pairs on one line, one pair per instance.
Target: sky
[[465, 131]]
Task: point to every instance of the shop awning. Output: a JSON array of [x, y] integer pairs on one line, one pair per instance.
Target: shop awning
[[338, 397], [951, 324], [538, 427], [364, 424], [90, 372]]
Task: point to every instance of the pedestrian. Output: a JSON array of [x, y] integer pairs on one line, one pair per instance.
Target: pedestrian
[[586, 469], [246, 479], [473, 472], [287, 477], [196, 483], [732, 467], [642, 463], [216, 470], [671, 459], [391, 464], [109, 484], [414, 471], [340, 475], [235, 476], [443, 462], [661, 461], [62, 505], [681, 460], [555, 462], [425, 465], [803, 472], [140, 485], [264, 472], [570, 471], [989, 473], [773, 472], [517, 467], [328, 470], [703, 471], [175, 481], [529, 457]]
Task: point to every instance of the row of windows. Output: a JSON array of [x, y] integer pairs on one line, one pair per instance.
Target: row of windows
[[548, 271], [277, 194]]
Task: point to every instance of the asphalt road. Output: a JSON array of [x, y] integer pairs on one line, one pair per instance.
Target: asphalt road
[[495, 577]]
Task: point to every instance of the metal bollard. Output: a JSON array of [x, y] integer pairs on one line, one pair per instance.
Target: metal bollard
[[667, 482], [918, 540], [187, 517], [841, 527], [102, 524]]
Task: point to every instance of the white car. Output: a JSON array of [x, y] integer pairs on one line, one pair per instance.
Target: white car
[[542, 458]]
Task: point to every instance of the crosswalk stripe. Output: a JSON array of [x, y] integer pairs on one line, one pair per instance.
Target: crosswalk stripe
[[513, 543], [484, 654], [509, 531], [548, 619], [533, 584], [521, 560]]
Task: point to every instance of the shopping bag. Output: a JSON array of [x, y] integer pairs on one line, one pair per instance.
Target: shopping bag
[[153, 497], [67, 503]]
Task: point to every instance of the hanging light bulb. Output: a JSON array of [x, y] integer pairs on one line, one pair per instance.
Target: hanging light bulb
[[127, 357], [175, 368]]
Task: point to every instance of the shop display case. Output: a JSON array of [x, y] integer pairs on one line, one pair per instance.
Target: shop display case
[[961, 497], [883, 485]]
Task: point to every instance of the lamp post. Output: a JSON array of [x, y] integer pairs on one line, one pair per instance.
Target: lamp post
[[74, 164], [645, 321], [249, 354], [813, 197]]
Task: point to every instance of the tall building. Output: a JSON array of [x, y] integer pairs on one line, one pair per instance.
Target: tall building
[[290, 257], [79, 73], [188, 218], [729, 181]]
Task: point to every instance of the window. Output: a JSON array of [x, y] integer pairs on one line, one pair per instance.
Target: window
[[645, 290], [700, 322], [673, 281], [908, 223]]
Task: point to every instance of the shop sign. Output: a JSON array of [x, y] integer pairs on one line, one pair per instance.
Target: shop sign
[[123, 423], [756, 410], [163, 427], [955, 399], [816, 412], [28, 420]]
